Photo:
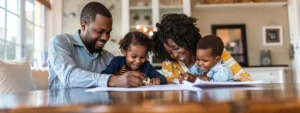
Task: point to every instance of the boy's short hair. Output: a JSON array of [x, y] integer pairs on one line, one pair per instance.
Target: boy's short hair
[[211, 41], [135, 38]]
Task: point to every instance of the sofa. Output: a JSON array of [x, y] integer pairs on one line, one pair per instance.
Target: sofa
[[18, 76]]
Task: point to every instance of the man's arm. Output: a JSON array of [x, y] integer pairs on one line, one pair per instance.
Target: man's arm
[[63, 64]]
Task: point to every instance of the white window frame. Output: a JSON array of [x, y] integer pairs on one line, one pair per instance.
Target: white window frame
[[21, 40]]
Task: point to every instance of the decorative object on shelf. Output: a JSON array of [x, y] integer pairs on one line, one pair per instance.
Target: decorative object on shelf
[[170, 2], [291, 52], [136, 17], [272, 35], [141, 21], [150, 3], [140, 3], [265, 57], [148, 18], [215, 1]]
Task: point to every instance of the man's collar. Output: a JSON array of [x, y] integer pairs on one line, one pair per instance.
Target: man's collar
[[77, 39], [78, 42]]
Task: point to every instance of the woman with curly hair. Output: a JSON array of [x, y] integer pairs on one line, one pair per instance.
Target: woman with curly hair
[[175, 43]]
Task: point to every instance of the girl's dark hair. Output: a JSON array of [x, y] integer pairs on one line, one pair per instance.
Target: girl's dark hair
[[135, 38], [212, 42], [178, 27]]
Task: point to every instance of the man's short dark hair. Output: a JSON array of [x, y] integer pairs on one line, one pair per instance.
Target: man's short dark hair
[[90, 10], [212, 42]]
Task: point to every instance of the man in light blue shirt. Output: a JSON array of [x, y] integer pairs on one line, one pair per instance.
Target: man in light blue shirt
[[77, 60]]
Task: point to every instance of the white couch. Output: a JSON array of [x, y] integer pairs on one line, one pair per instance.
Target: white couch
[[17, 76]]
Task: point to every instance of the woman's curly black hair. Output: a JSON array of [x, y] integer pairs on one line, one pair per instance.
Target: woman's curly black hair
[[135, 38], [178, 27]]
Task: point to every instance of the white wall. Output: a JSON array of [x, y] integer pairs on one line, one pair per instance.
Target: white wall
[[53, 21], [255, 19]]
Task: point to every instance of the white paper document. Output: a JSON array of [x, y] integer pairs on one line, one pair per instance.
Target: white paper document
[[226, 84], [168, 87], [176, 87]]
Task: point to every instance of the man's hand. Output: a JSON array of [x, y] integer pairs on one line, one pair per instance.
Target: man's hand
[[128, 79], [187, 76], [155, 81]]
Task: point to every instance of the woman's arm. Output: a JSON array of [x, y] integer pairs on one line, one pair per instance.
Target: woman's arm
[[236, 69]]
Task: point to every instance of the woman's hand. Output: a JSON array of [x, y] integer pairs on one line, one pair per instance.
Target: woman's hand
[[187, 76]]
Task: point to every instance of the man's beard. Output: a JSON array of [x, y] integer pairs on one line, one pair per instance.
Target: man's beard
[[90, 43]]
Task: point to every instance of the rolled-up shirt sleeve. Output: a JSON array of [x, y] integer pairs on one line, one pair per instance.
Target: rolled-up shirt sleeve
[[63, 65]]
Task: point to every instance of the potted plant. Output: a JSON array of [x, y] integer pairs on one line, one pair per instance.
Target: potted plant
[[147, 17], [136, 17]]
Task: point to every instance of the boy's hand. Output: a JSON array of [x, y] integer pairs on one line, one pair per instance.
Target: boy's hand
[[187, 76], [155, 81], [204, 78]]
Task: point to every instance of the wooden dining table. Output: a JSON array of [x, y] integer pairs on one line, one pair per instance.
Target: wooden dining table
[[265, 98]]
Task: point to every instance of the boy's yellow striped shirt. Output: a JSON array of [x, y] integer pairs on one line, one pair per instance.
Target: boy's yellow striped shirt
[[172, 74]]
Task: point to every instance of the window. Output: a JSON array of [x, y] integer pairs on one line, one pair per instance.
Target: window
[[22, 37], [2, 3], [2, 24]]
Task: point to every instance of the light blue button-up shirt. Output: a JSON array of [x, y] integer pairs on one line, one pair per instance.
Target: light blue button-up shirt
[[218, 73], [72, 65]]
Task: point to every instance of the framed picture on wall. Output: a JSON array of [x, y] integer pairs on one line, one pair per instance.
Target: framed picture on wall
[[272, 35], [234, 39]]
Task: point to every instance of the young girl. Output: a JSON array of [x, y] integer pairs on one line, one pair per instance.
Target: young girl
[[209, 66], [135, 46]]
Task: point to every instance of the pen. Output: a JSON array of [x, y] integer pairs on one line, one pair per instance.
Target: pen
[[185, 78], [147, 83], [177, 69]]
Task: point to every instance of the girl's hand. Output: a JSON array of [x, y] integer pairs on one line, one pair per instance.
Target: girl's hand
[[155, 81]]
